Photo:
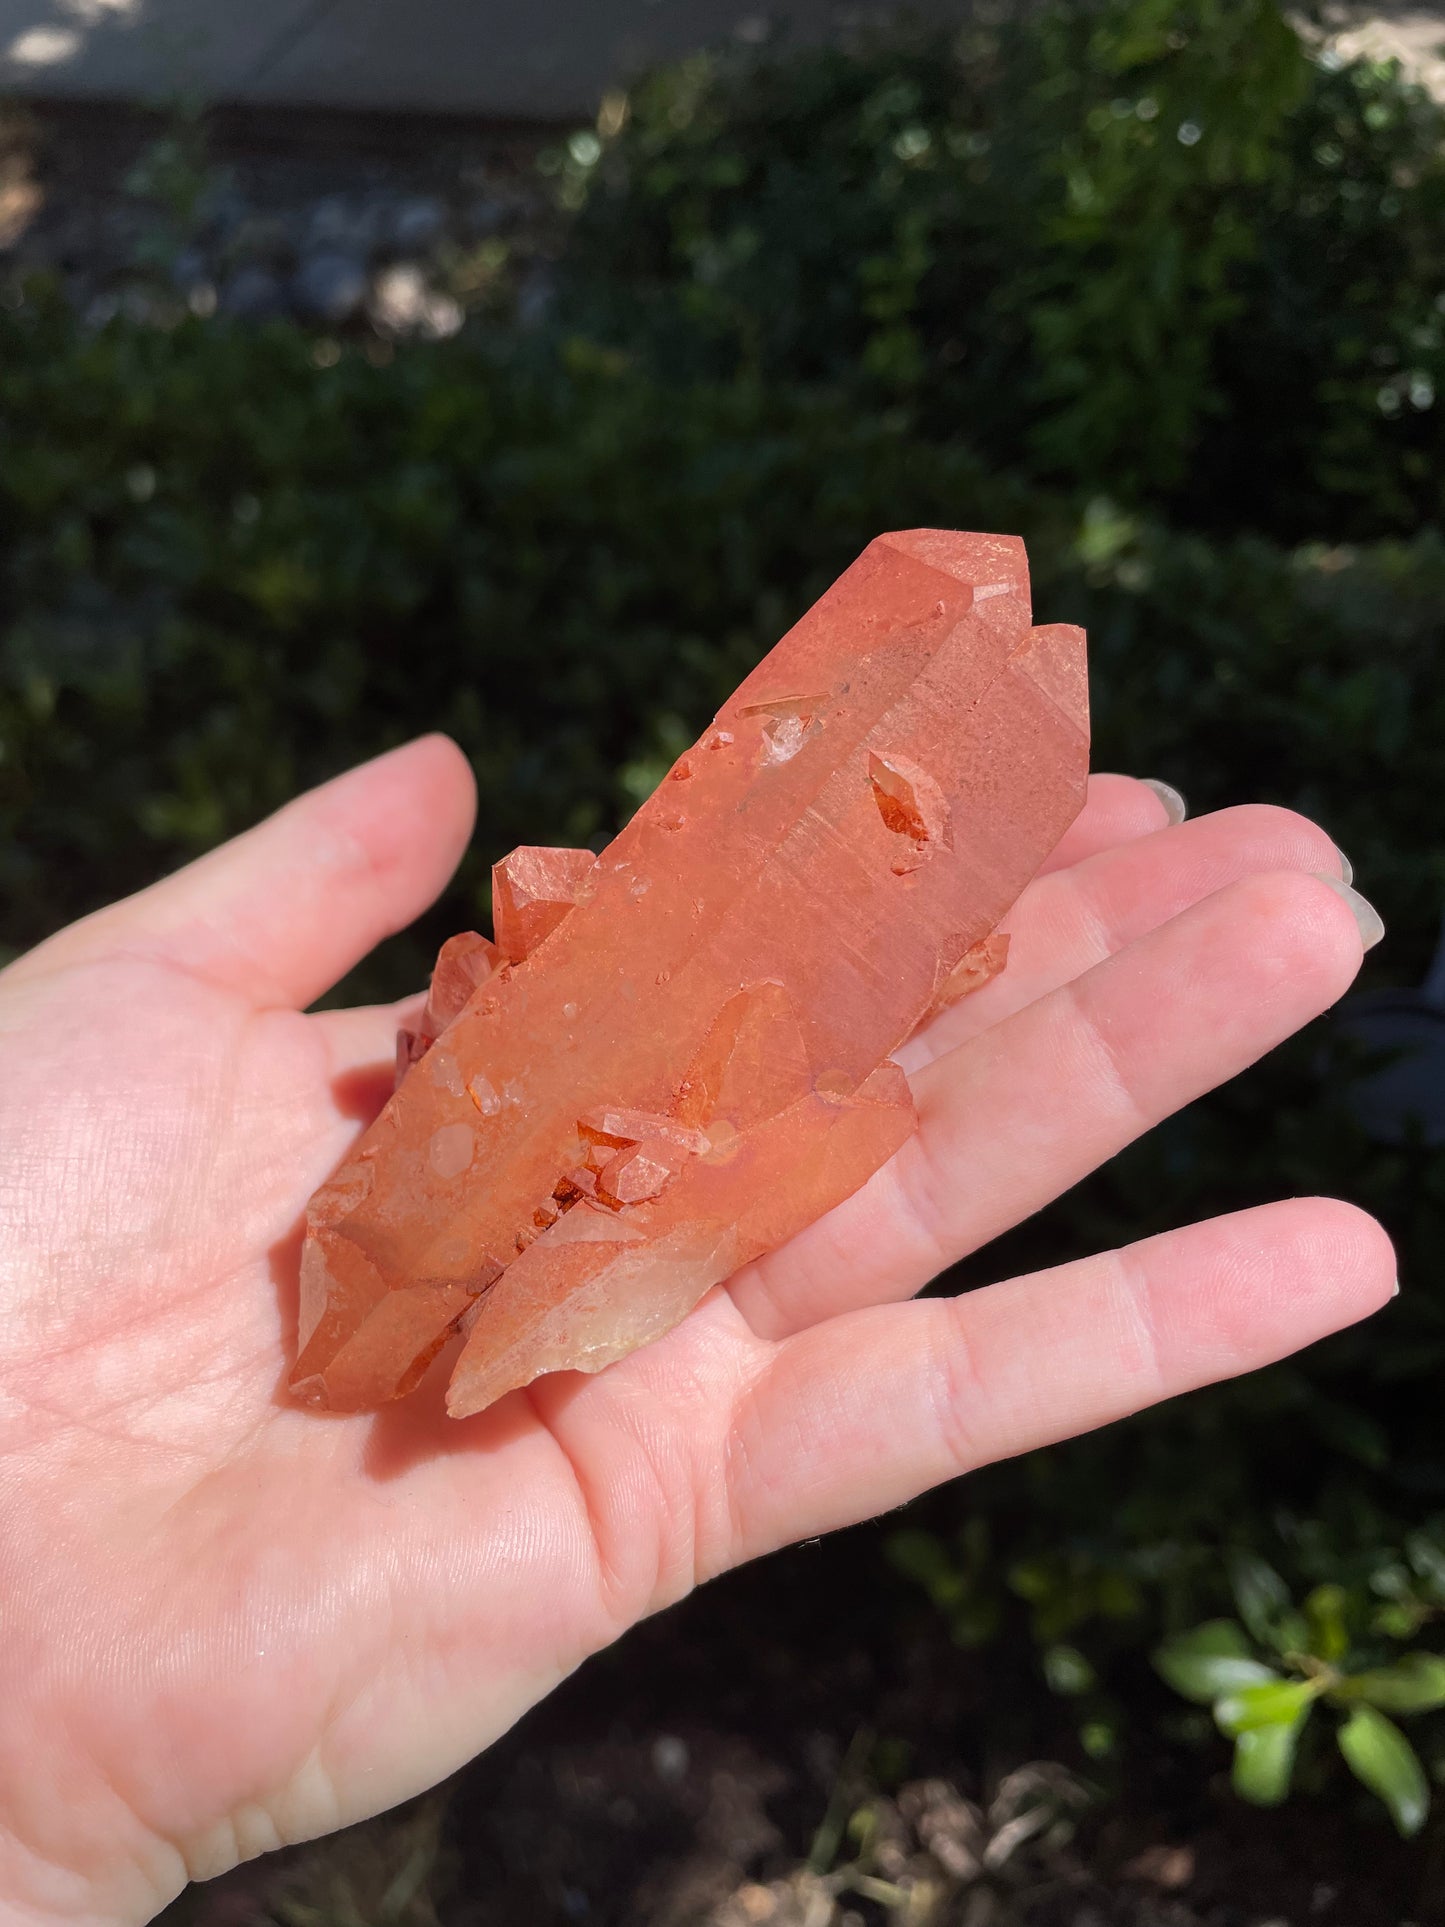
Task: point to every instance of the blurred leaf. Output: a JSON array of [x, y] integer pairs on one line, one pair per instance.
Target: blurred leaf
[[1099, 1738], [1281, 1702], [1212, 1660], [1264, 1762], [1067, 1671], [1329, 1637], [1379, 1755], [921, 1556], [1427, 1556], [1263, 1600], [1414, 1684]]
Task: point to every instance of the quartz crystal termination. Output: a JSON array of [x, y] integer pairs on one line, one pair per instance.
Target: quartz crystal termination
[[676, 1055]]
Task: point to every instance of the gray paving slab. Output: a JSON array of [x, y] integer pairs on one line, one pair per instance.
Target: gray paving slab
[[529, 58], [545, 58], [495, 58], [141, 49]]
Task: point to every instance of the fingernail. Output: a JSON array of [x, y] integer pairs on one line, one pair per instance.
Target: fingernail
[[1347, 869], [1371, 924], [1395, 1289], [1175, 807]]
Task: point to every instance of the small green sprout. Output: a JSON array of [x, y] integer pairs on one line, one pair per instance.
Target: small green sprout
[[1265, 1705]]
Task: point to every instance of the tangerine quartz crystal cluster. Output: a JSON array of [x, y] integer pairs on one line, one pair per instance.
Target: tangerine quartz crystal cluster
[[675, 1055]]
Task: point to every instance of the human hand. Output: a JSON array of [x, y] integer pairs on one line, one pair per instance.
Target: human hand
[[231, 1623]]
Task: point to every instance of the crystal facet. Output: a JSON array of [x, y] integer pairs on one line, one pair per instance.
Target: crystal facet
[[676, 1055]]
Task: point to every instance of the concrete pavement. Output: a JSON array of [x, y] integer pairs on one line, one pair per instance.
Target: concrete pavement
[[501, 58], [528, 59]]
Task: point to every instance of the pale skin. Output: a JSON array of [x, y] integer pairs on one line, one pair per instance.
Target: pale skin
[[230, 1623]]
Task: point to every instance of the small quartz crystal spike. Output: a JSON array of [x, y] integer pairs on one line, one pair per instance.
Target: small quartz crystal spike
[[463, 963], [532, 890], [725, 983], [584, 1303]]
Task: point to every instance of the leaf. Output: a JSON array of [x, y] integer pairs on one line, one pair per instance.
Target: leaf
[[1067, 1670], [1264, 1761], [1414, 1684], [1212, 1660], [1325, 1612], [1099, 1738], [1281, 1702], [1260, 1594], [1427, 1556], [1400, 1622], [920, 1556], [1379, 1755]]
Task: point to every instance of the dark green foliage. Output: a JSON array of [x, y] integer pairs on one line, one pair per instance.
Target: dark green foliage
[[227, 571], [855, 292], [1150, 244]]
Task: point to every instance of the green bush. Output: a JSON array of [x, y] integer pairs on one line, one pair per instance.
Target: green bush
[[234, 562], [207, 602], [1148, 246], [226, 571]]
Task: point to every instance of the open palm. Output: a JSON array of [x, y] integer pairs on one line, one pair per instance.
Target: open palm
[[229, 1622]]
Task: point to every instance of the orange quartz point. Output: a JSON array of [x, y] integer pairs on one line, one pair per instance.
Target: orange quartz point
[[532, 890], [636, 1173], [676, 1054]]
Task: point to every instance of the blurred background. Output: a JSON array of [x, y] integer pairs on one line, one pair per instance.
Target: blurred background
[[523, 372]]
